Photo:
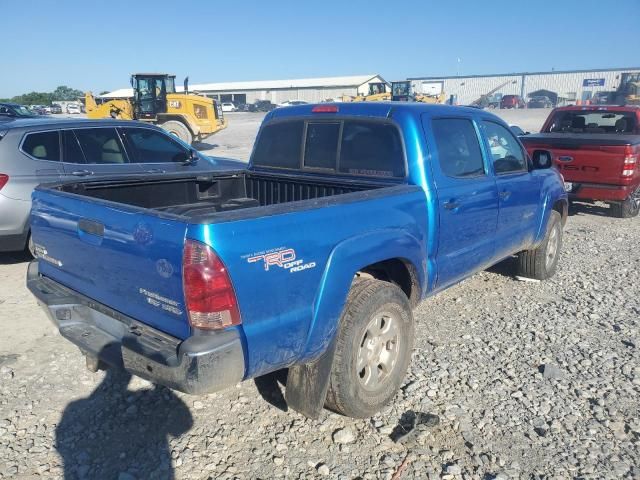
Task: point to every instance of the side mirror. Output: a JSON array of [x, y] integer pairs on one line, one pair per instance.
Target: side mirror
[[193, 158], [542, 159]]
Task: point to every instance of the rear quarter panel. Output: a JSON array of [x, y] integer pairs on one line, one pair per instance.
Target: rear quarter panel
[[289, 314]]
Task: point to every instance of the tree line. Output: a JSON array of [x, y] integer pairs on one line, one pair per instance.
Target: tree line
[[62, 93]]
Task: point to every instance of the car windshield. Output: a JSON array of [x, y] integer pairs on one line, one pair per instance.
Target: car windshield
[[598, 121], [21, 111]]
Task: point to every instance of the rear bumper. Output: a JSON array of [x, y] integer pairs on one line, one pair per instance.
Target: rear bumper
[[597, 191], [201, 364]]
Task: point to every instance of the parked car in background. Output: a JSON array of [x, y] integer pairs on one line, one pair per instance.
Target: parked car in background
[[38, 109], [13, 110], [597, 150], [512, 101], [291, 103], [55, 108], [540, 102], [228, 107], [73, 108], [243, 107], [262, 106], [34, 151], [198, 282], [603, 98]]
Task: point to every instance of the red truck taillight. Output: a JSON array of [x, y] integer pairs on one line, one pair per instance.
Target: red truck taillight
[[3, 180], [630, 162], [209, 296]]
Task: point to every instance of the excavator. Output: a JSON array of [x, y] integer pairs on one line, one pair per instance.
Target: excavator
[[188, 116], [377, 93], [485, 100], [403, 92]]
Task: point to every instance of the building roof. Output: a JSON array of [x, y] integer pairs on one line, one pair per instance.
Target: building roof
[[322, 82], [519, 74]]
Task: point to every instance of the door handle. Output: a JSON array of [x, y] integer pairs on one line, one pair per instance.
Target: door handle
[[81, 173], [504, 194], [451, 205], [156, 170]]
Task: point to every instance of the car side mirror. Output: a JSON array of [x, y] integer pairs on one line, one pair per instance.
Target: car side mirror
[[193, 158], [542, 159]]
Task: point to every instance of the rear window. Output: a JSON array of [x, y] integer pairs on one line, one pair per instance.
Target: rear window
[[279, 145], [43, 145], [598, 121], [351, 147]]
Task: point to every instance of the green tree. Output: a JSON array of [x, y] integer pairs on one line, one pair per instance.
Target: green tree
[[65, 93]]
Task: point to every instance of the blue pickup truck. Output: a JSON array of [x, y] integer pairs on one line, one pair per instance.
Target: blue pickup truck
[[312, 258]]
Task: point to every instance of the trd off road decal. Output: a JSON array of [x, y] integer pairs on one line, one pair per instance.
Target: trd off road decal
[[282, 257]]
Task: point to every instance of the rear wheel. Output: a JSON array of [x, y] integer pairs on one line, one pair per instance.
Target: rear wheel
[[541, 263], [178, 129], [628, 208], [373, 349]]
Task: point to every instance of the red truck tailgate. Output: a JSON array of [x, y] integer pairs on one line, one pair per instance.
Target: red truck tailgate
[[584, 158]]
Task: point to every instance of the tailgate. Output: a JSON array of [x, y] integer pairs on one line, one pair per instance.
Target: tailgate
[[119, 256], [583, 160]]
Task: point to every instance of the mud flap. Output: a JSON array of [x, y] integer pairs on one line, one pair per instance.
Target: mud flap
[[307, 384]]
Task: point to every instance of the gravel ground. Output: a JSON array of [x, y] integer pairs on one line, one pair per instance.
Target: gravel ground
[[527, 380]]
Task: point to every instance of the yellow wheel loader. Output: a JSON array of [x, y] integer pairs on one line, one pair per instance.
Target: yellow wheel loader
[[377, 93], [403, 92], [188, 116]]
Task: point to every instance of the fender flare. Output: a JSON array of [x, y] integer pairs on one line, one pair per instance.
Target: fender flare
[[345, 260]]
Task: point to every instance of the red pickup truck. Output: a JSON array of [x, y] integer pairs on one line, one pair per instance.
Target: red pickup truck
[[597, 150]]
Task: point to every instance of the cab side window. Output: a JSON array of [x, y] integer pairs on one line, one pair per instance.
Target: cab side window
[[150, 146], [506, 152], [458, 148], [43, 145]]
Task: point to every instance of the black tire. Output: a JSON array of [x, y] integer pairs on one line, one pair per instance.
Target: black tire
[[178, 129], [355, 393], [627, 209], [541, 263]]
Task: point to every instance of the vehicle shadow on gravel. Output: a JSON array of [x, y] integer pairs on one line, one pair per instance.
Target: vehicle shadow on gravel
[[588, 209], [120, 433], [205, 146], [270, 388], [14, 257]]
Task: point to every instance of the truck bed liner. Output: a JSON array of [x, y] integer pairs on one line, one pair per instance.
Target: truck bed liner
[[195, 196]]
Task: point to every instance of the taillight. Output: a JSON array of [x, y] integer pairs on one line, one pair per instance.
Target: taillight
[[630, 161], [209, 296], [3, 180]]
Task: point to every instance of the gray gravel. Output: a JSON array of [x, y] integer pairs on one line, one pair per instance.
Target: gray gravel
[[528, 380]]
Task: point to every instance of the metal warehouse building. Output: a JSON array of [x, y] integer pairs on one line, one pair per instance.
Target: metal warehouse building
[[277, 91], [567, 86]]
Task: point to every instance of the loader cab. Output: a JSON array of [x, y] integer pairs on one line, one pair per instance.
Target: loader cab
[[377, 88], [401, 92], [150, 94]]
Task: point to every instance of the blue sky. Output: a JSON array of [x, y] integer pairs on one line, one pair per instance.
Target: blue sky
[[96, 44]]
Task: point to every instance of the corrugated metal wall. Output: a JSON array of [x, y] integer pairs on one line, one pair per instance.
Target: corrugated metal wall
[[311, 94], [566, 85]]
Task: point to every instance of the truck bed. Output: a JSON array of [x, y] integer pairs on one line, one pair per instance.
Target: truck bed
[[195, 198]]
